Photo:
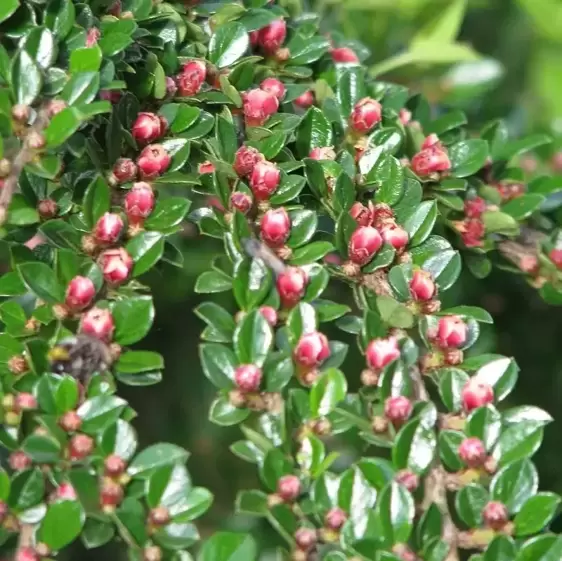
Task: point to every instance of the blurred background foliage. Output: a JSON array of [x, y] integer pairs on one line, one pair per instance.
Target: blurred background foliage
[[493, 59]]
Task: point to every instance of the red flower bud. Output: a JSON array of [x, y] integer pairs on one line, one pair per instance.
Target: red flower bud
[[246, 159], [395, 236], [66, 492], [556, 257], [312, 349], [381, 352], [474, 231], [139, 201], [451, 332], [275, 87], [272, 36], [361, 214], [148, 127], [422, 286], [241, 201], [98, 323], [291, 285], [430, 160], [364, 244], [116, 265], [19, 460], [113, 96], [259, 105], [80, 446], [473, 208], [335, 518], [191, 78], [305, 538], [92, 36], [275, 227], [25, 402], [108, 228], [153, 161], [114, 465], [495, 515], [408, 478], [264, 180], [47, 208], [248, 377], [397, 409], [111, 493], [159, 516], [79, 293], [270, 315], [344, 54], [125, 170], [476, 393], [70, 421], [254, 38], [26, 553], [365, 115], [305, 100], [431, 141], [289, 488], [472, 452], [206, 167], [323, 153], [405, 116]]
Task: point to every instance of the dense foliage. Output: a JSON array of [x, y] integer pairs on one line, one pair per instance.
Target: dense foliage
[[117, 119]]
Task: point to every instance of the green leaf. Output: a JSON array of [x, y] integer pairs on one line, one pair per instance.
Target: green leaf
[[62, 126], [419, 224], [132, 362], [62, 524], [224, 414], [547, 547], [133, 319], [303, 227], [156, 456], [210, 282], [81, 88], [536, 514], [220, 322], [350, 89], [85, 60], [26, 78], [388, 175], [167, 213], [96, 533], [414, 447], [146, 249], [42, 449], [252, 339], [228, 44], [311, 252], [228, 546], [522, 145], [522, 207], [218, 363], [444, 26], [468, 156], [61, 234], [99, 412], [514, 484], [21, 212], [252, 502], [469, 503], [60, 17], [305, 49], [500, 373], [451, 384], [8, 8], [394, 313], [96, 201], [501, 548], [328, 390], [315, 131], [395, 513], [41, 280], [469, 312]]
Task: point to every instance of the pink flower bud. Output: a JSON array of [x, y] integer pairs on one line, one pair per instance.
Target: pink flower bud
[[335, 518], [26, 553], [408, 478], [206, 167], [80, 446], [365, 115], [397, 409], [476, 393], [312, 349], [113, 96], [289, 488], [139, 201], [248, 377], [92, 36], [323, 153], [19, 460], [364, 244], [473, 233], [114, 465], [147, 127], [116, 265], [381, 352], [66, 492], [495, 515], [275, 87], [344, 54], [275, 227], [430, 160], [431, 141], [361, 214], [254, 38], [405, 116], [264, 180], [555, 256], [473, 208], [305, 100], [305, 538], [79, 293], [422, 286], [108, 228], [191, 78], [25, 402], [395, 236], [70, 421], [55, 106], [291, 285], [125, 170], [98, 323], [272, 36], [111, 493], [246, 159], [270, 315], [47, 208], [153, 161], [259, 105], [472, 452], [451, 332], [241, 201]]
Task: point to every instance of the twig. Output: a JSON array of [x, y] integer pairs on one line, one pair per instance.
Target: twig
[[25, 537], [435, 485], [21, 159]]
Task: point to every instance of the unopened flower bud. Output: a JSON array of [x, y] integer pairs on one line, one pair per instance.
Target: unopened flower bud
[[291, 285], [381, 352], [80, 446], [274, 86], [116, 265], [335, 518], [70, 421], [476, 393], [248, 377], [451, 332], [264, 180], [259, 105], [245, 160], [139, 202], [108, 228], [47, 208], [495, 515], [366, 113], [364, 244], [394, 235], [148, 127], [422, 286], [344, 55], [397, 409], [289, 488], [272, 36], [275, 227], [114, 465], [472, 452], [408, 478], [80, 293], [270, 315], [305, 100], [191, 78], [153, 161]]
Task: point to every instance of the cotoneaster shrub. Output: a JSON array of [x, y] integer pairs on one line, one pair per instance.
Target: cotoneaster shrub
[[122, 119]]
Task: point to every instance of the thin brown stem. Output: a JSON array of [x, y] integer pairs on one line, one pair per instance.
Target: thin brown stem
[[25, 537]]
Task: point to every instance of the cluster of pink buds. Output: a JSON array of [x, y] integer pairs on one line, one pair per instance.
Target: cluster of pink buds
[[366, 114], [259, 105], [432, 161], [270, 39], [191, 78], [472, 228]]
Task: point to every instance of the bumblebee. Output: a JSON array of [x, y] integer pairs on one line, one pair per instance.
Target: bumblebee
[[258, 250], [81, 356]]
